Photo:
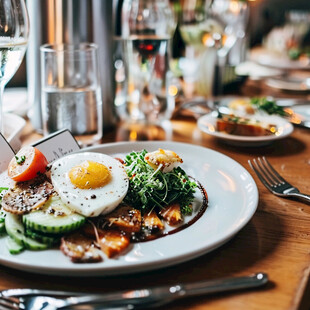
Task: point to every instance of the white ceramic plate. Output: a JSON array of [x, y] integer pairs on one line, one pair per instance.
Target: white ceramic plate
[[277, 60], [233, 199], [290, 83], [207, 124], [256, 71]]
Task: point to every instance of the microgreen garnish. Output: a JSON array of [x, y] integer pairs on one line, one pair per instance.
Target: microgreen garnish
[[20, 160], [149, 188]]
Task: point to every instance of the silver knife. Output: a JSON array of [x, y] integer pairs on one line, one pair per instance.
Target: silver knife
[[150, 297]]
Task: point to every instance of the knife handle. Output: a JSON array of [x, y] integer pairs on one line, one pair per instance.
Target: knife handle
[[150, 297]]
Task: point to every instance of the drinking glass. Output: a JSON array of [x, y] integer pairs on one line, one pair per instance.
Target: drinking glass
[[14, 32], [147, 27], [71, 91], [208, 28]]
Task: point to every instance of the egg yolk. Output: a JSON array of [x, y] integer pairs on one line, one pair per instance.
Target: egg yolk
[[89, 174]]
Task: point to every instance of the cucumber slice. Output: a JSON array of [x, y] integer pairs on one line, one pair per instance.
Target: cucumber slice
[[54, 218], [49, 239], [2, 227], [16, 231], [13, 246], [2, 220], [14, 228]]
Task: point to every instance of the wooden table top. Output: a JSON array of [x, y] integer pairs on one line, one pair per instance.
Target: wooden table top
[[275, 241]]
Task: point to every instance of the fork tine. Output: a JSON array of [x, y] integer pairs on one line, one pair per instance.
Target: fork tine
[[255, 167], [265, 172], [278, 177], [9, 303]]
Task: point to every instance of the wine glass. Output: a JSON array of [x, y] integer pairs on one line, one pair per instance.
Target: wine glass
[[147, 27], [227, 14], [209, 30], [14, 32]]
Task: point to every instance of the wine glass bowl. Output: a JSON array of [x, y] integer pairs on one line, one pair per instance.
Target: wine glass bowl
[[147, 28], [229, 14], [209, 30], [14, 32]]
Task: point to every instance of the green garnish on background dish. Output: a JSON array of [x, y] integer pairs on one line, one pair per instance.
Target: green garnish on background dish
[[268, 105]]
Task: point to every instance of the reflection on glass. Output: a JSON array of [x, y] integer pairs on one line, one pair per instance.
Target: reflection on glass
[[14, 32]]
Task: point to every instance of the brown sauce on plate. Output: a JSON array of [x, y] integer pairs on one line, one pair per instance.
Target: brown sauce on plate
[[144, 236]]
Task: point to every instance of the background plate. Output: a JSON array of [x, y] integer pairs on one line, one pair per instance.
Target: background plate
[[277, 60], [207, 124], [233, 199]]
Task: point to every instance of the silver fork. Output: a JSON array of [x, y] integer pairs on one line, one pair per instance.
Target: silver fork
[[274, 181], [133, 299]]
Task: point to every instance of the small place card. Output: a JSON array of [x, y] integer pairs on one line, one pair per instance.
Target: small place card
[[57, 145], [6, 153]]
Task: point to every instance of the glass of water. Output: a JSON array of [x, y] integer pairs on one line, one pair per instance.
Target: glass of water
[[71, 92]]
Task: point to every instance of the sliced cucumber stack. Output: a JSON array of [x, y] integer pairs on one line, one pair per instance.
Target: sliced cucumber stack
[[16, 231], [13, 246], [2, 220], [54, 218], [49, 239]]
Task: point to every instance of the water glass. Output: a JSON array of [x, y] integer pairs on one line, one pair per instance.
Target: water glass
[[71, 92]]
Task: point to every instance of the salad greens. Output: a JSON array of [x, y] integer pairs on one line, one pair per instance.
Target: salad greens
[[149, 188], [268, 105], [3, 189], [295, 52]]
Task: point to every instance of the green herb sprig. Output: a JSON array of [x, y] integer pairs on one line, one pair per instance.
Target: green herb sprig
[[149, 188], [268, 105], [20, 160]]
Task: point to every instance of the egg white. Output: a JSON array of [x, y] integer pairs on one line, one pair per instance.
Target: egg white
[[90, 202]]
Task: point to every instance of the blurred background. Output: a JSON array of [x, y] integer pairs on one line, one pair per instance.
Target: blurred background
[[264, 16]]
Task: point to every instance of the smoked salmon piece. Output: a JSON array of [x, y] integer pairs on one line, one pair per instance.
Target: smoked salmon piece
[[172, 214]]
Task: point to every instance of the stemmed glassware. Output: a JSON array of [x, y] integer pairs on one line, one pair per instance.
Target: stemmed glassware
[[14, 32], [147, 27], [209, 29]]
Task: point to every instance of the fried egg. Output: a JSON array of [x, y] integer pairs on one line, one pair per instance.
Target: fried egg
[[165, 160], [90, 183]]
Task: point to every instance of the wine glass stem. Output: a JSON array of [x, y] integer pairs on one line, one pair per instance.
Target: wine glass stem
[[147, 68], [2, 85]]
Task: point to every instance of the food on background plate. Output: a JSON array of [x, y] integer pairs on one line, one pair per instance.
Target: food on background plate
[[250, 106], [90, 203], [242, 105], [249, 117], [291, 40], [242, 126]]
